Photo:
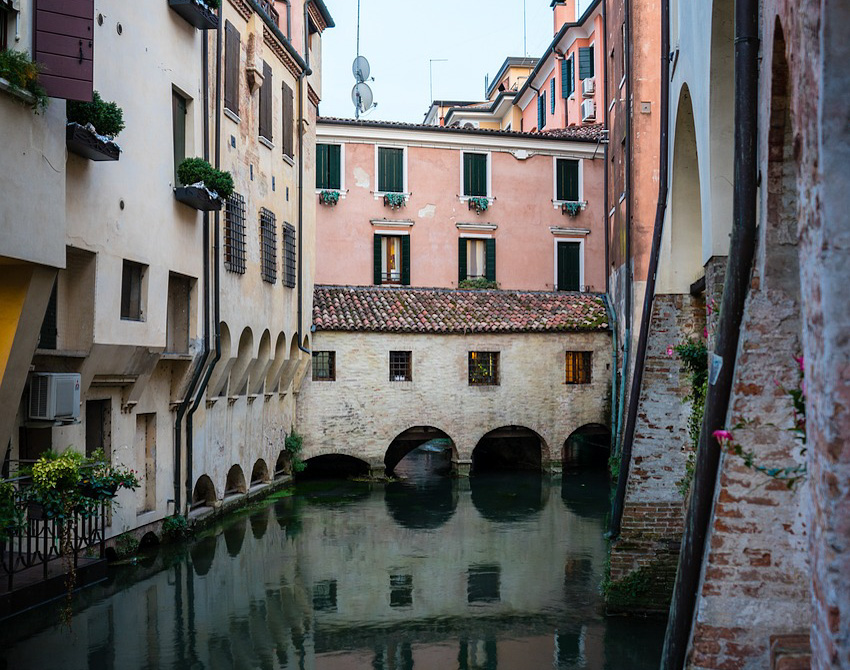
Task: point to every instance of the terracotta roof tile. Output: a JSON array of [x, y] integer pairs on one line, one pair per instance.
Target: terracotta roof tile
[[433, 310]]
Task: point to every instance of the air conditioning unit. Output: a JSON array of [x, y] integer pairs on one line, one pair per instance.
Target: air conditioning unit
[[588, 110], [55, 396], [588, 87]]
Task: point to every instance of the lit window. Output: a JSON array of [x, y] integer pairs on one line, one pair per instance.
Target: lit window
[[578, 367], [324, 366], [400, 368], [484, 368]]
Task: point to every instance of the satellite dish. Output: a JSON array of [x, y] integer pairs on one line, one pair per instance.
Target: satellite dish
[[361, 96], [360, 69]]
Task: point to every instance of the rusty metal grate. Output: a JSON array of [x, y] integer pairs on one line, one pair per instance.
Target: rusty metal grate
[[234, 234], [400, 368], [484, 368], [268, 245], [288, 255]]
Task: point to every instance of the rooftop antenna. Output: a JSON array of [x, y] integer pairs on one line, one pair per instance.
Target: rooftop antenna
[[431, 74], [361, 94], [524, 30]]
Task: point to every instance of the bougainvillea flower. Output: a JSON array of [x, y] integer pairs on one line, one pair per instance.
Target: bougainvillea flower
[[722, 435]]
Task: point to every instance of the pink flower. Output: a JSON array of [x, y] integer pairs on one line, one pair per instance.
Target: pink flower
[[799, 360], [669, 351], [722, 435], [705, 333]]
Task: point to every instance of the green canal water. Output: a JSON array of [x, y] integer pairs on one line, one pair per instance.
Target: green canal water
[[494, 572]]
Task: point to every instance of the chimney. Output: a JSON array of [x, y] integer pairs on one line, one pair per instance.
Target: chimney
[[565, 12]]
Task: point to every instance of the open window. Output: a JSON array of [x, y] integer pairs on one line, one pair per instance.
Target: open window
[[392, 259], [476, 259]]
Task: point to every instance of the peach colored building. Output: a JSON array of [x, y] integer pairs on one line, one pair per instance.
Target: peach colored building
[[525, 238]]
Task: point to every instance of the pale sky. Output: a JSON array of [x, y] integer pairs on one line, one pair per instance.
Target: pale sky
[[399, 37]]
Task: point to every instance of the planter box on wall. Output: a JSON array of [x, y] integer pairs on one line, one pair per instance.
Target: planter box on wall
[[85, 143], [197, 198], [198, 14]]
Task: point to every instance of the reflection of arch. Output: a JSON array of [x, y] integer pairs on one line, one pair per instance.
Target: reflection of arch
[[149, 539], [588, 447], [204, 492], [410, 439], [586, 493], [509, 448], [421, 505], [508, 496], [259, 473], [334, 466], [218, 380], [234, 536], [235, 483], [242, 366], [203, 554], [260, 523], [261, 365]]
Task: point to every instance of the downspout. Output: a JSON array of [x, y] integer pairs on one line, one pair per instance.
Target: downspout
[[196, 375], [652, 270], [304, 74], [216, 296], [722, 362]]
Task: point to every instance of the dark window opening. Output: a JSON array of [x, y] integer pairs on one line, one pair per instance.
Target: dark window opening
[[400, 366], [401, 590], [324, 596], [268, 245], [483, 584], [569, 266], [578, 364], [131, 291], [177, 321], [49, 335], [324, 366], [179, 108], [289, 257], [234, 234], [484, 368]]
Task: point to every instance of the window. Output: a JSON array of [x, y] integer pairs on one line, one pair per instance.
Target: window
[[541, 111], [288, 123], [400, 368], [232, 46], [567, 180], [177, 318], [390, 170], [578, 367], [288, 255], [483, 584], [328, 166], [567, 77], [268, 246], [392, 259], [476, 259], [569, 266], [6, 14], [484, 368], [324, 596], [234, 234], [131, 291], [178, 118], [401, 590], [475, 175], [585, 62], [266, 103], [552, 96], [324, 366]]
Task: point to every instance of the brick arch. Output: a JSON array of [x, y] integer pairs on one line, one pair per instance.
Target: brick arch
[[506, 442], [411, 438]]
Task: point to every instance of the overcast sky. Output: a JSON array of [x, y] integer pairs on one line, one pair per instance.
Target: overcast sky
[[400, 37]]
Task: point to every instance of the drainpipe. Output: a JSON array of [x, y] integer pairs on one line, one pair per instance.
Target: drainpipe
[[216, 293], [640, 353], [196, 375], [304, 74], [736, 286]]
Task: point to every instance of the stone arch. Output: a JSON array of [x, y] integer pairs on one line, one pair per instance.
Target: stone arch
[[412, 438], [290, 366], [235, 483], [218, 380], [276, 367], [281, 466], [242, 366], [203, 495], [334, 465], [149, 539], [261, 364], [259, 473], [587, 447], [510, 448]]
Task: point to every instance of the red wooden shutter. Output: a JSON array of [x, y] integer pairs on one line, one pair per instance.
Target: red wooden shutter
[[64, 45], [288, 113]]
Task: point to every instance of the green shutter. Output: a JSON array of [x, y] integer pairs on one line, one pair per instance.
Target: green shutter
[[475, 174], [334, 178], [565, 78], [461, 259], [585, 62], [572, 75], [567, 179], [377, 269], [321, 165], [541, 111], [390, 170], [568, 266], [552, 96], [405, 260], [490, 260]]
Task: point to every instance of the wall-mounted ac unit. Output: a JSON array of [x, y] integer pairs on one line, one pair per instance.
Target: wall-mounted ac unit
[[588, 110], [588, 87], [55, 396]]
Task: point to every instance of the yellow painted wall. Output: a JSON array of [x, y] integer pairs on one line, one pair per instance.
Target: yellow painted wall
[[14, 283]]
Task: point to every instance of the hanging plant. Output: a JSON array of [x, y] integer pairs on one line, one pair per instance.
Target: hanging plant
[[478, 203], [571, 208], [394, 200], [22, 74], [327, 197]]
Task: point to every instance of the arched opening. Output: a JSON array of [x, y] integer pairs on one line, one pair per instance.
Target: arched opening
[[586, 482], [235, 483], [588, 448], [281, 464], [149, 540], [419, 451], [273, 376], [203, 495], [416, 504], [333, 466], [234, 536], [508, 497], [259, 473], [508, 449]]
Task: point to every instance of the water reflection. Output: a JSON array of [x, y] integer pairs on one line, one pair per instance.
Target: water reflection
[[425, 497], [586, 493], [498, 575]]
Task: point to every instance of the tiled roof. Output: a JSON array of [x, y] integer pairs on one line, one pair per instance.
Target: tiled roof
[[434, 310], [575, 133]]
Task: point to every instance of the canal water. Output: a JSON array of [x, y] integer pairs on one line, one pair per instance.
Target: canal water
[[493, 572]]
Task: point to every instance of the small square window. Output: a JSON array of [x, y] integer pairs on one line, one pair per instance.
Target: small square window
[[324, 596], [324, 366], [400, 366], [578, 365], [484, 368], [131, 291], [483, 584], [401, 590]]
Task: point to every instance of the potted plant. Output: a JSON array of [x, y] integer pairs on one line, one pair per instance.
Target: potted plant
[[571, 208], [19, 76], [205, 188], [199, 13], [92, 127], [479, 203], [328, 197], [102, 481], [394, 200]]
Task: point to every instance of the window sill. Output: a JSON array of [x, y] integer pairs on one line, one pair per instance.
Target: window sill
[[266, 142], [14, 91], [233, 116], [557, 204], [289, 159], [465, 198], [379, 195], [176, 356], [341, 192], [132, 320]]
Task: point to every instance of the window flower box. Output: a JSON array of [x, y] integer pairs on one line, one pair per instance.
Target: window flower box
[[394, 200], [572, 208], [206, 187], [200, 14], [84, 141], [329, 197], [199, 197], [478, 204]]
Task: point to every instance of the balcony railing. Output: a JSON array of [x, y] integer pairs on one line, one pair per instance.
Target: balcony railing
[[268, 7]]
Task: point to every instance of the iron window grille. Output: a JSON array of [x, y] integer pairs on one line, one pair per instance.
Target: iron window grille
[[288, 255], [578, 364], [401, 590], [483, 368], [324, 366], [234, 234], [400, 366], [268, 245]]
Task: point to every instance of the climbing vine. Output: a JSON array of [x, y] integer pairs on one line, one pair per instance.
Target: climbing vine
[[694, 356]]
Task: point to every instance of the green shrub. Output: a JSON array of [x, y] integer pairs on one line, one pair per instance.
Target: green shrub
[[126, 545], [22, 73], [106, 117], [294, 444], [175, 527], [479, 283], [194, 170]]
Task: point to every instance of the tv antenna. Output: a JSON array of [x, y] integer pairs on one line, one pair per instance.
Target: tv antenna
[[361, 94]]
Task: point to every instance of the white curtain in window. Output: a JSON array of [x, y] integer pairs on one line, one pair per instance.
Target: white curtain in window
[[475, 258], [391, 258]]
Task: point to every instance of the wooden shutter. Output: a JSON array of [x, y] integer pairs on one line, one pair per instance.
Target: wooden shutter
[[405, 260], [565, 78], [568, 266], [541, 111], [232, 46], [585, 62], [178, 119], [334, 166], [475, 174], [552, 96], [461, 259], [266, 103], [390, 170], [288, 112], [64, 46], [322, 165], [572, 74], [567, 179], [490, 260], [377, 259]]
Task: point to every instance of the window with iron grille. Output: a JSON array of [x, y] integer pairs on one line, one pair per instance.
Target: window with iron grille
[[578, 367], [234, 234], [400, 368], [268, 245], [324, 366], [288, 255], [484, 368]]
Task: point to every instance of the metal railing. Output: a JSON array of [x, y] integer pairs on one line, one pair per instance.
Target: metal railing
[[268, 7]]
